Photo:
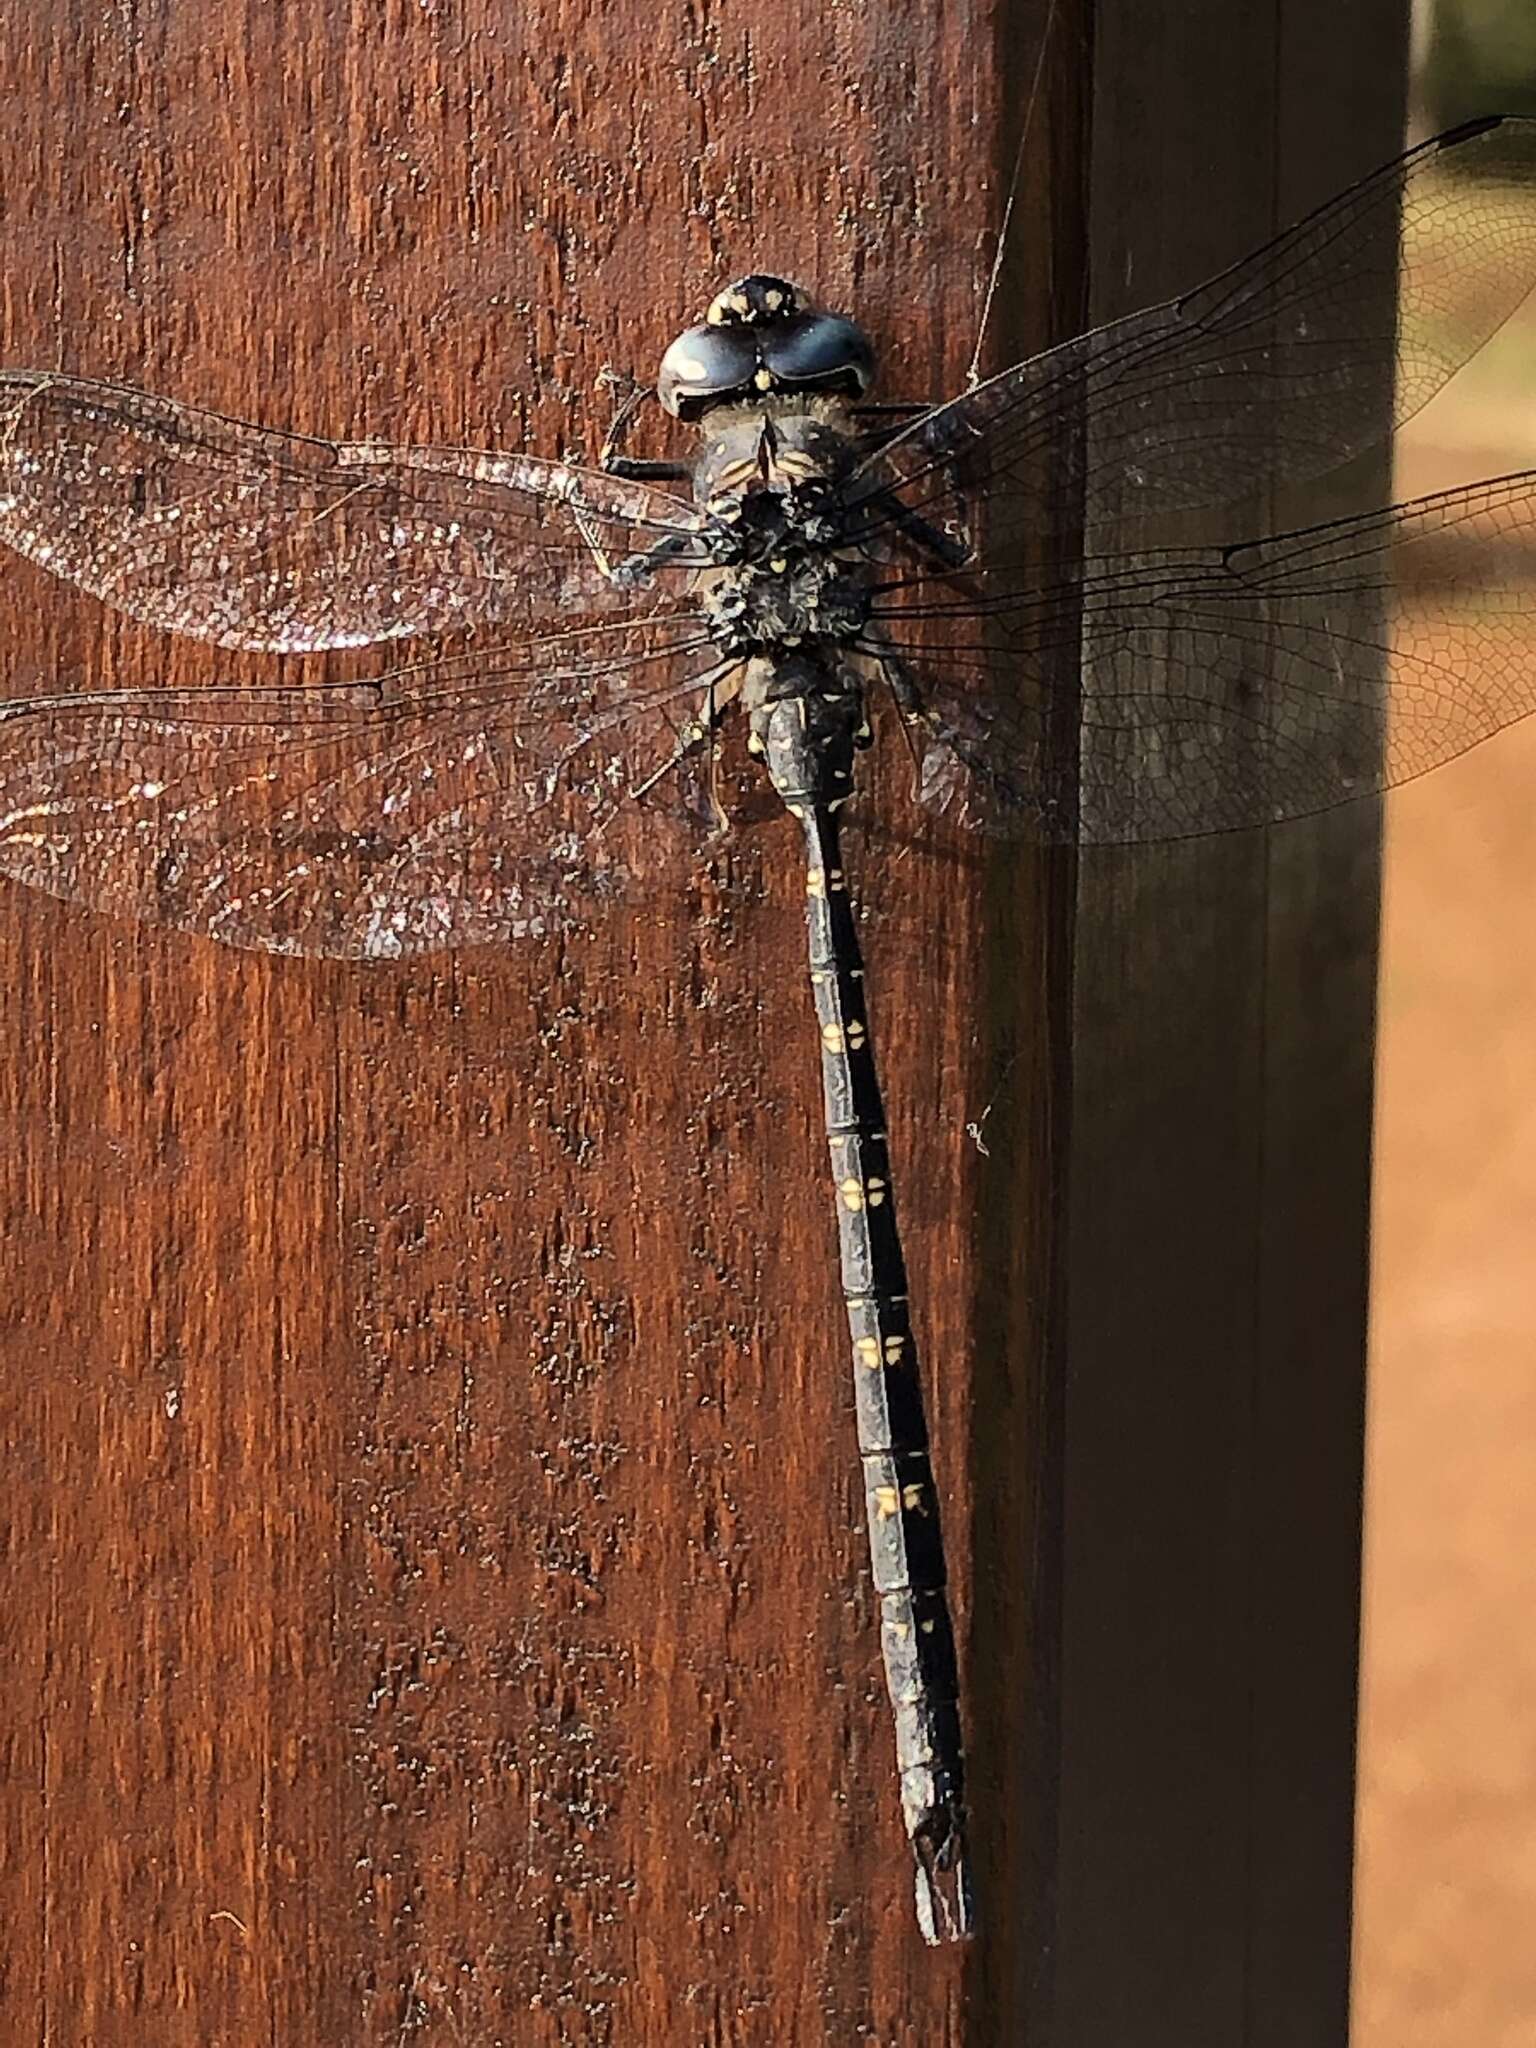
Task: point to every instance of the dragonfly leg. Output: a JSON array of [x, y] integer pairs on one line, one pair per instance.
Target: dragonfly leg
[[720, 691], [949, 550], [634, 468], [907, 696], [892, 420], [921, 728], [892, 408], [634, 569]]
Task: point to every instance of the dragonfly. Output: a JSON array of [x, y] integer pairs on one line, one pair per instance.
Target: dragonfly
[[974, 575]]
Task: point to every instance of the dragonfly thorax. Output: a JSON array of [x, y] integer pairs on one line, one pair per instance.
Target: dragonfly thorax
[[776, 604], [799, 449], [763, 520], [770, 481]]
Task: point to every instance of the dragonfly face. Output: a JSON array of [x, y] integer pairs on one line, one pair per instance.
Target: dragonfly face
[[760, 338]]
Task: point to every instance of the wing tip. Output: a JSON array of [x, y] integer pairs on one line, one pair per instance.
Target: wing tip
[[1469, 131]]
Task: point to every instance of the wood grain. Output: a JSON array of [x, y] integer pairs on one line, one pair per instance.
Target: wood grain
[[439, 1604], [1217, 1248], [440, 1608]]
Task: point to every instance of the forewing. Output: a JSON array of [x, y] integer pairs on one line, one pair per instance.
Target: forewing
[[257, 539], [462, 803], [1233, 687], [1280, 368]]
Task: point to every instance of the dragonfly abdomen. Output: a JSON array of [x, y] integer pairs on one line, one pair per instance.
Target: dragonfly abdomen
[[901, 1501]]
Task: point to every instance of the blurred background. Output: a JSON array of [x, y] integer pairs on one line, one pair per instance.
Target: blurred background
[[1446, 1884]]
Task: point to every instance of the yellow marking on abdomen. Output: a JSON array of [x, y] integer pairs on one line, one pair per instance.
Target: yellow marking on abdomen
[[869, 1353], [889, 1502]]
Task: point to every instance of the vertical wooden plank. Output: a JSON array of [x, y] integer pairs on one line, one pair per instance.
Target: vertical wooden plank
[[1217, 1253], [440, 1563], [1018, 1118], [173, 1339], [442, 1581]]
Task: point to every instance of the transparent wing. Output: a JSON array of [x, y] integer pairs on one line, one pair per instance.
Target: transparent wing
[[464, 802], [258, 539], [1228, 687], [1276, 369]]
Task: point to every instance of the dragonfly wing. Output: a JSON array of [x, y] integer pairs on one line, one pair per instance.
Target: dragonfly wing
[[257, 539], [445, 805], [1228, 688], [1281, 368]]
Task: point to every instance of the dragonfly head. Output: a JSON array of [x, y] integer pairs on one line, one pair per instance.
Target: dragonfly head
[[753, 300], [759, 337]]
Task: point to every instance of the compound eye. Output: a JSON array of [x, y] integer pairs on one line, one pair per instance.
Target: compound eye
[[703, 366], [824, 350]]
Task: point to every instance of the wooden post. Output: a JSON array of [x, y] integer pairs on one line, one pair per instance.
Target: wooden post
[[1216, 1247], [439, 1607]]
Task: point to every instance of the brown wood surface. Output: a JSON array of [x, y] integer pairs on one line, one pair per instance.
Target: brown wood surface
[[1217, 1248], [440, 1607], [438, 1604]]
